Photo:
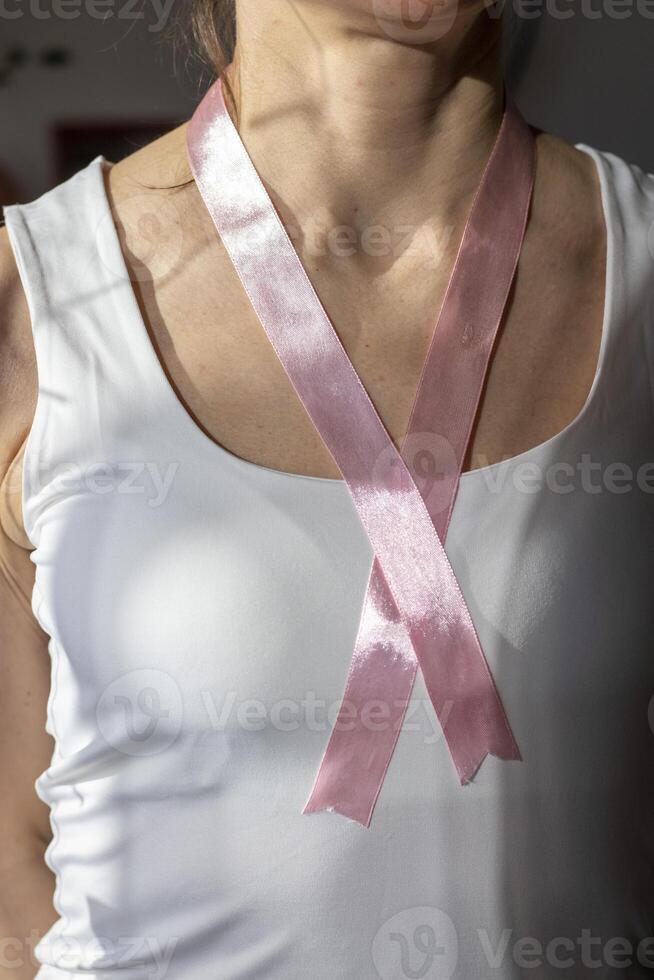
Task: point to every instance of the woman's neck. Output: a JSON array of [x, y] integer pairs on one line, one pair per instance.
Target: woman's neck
[[336, 107]]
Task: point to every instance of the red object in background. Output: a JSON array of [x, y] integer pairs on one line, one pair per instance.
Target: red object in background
[[76, 144], [8, 188]]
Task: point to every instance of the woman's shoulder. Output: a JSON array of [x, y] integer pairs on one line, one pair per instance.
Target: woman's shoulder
[[150, 174], [627, 184], [154, 205], [159, 165], [18, 385], [582, 164], [17, 358], [154, 173], [591, 192]]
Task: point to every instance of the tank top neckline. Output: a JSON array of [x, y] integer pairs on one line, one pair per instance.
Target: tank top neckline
[[193, 429]]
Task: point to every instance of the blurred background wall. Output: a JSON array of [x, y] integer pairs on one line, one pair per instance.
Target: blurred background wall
[[80, 77], [70, 87], [588, 73]]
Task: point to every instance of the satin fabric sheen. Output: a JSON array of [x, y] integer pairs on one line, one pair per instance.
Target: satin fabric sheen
[[414, 612]]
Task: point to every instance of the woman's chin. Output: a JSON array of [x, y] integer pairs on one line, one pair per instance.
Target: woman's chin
[[417, 21]]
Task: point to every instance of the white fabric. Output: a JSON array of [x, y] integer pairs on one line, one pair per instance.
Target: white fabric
[[199, 630]]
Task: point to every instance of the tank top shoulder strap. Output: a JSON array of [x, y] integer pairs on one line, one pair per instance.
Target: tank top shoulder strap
[[92, 361], [634, 191], [626, 363]]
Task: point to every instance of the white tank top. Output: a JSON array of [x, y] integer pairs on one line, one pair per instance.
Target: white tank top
[[203, 611]]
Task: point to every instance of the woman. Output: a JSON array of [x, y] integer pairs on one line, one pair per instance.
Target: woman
[[201, 568]]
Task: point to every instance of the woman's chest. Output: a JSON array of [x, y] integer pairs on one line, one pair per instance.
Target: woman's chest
[[385, 311], [240, 591]]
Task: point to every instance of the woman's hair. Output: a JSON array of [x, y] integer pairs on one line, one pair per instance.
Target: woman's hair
[[214, 27]]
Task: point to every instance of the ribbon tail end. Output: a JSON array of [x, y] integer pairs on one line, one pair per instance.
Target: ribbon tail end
[[508, 753], [342, 809]]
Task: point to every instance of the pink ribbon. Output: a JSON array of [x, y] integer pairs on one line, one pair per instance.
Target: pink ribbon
[[414, 613]]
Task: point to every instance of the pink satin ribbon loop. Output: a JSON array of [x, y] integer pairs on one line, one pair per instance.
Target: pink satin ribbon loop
[[414, 613]]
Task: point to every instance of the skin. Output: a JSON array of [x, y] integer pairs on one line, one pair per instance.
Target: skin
[[350, 123]]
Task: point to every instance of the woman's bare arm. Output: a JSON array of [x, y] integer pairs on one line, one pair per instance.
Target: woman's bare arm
[[26, 884]]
